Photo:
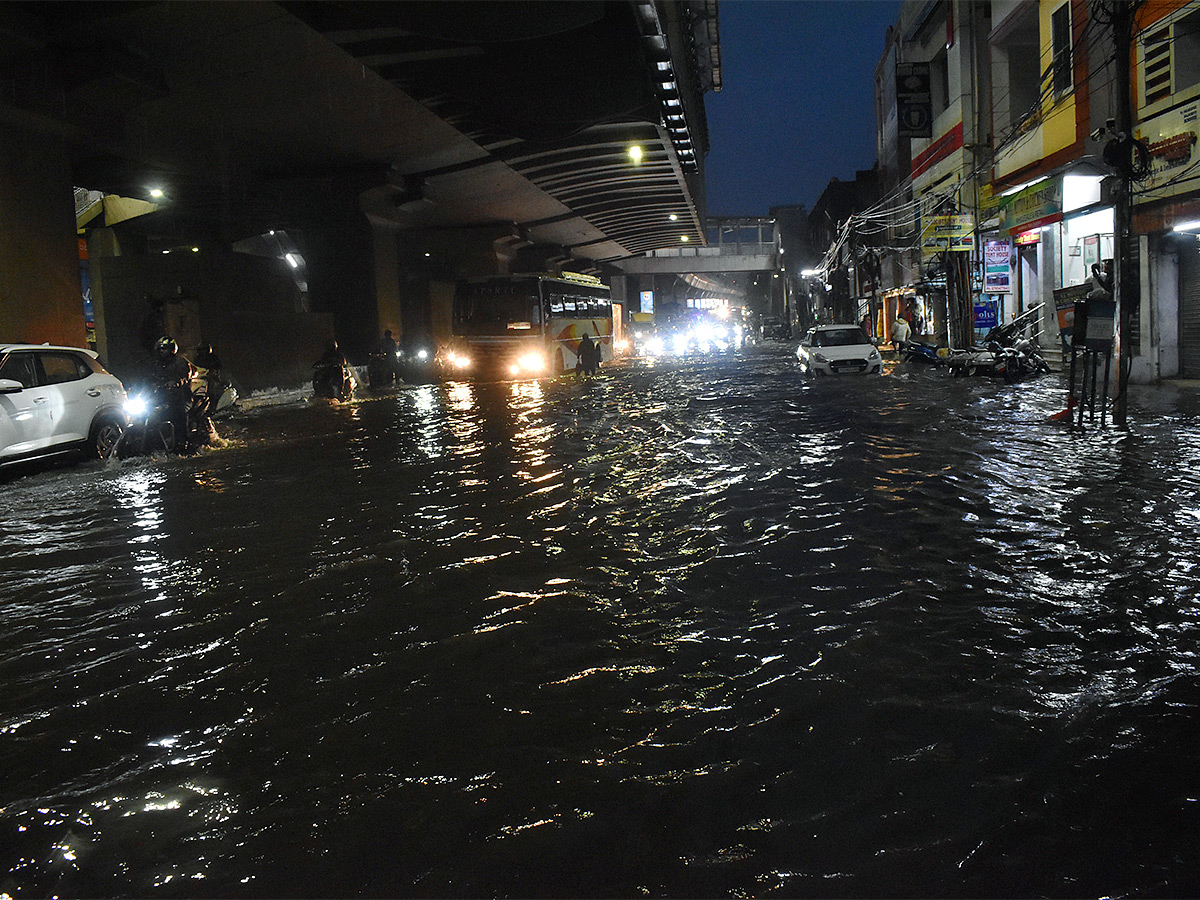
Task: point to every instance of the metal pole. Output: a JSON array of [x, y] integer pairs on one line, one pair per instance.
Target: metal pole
[[1124, 291]]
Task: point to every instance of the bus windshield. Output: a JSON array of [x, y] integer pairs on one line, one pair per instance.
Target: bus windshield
[[498, 307]]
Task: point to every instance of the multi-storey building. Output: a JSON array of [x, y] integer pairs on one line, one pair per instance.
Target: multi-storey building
[[1005, 115], [1166, 199]]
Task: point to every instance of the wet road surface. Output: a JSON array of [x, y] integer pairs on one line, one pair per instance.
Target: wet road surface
[[695, 629]]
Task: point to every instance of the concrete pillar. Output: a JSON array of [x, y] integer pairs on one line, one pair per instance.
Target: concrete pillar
[[387, 279], [40, 294]]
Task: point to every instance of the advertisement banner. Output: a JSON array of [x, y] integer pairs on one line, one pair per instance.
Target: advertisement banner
[[947, 234], [997, 274]]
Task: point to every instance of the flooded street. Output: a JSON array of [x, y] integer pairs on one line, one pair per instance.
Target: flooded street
[[688, 630]]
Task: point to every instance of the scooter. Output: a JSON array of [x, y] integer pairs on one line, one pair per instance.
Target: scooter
[[333, 381], [218, 398]]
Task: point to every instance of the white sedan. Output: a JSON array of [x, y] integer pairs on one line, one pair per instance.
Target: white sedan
[[56, 400], [837, 350]]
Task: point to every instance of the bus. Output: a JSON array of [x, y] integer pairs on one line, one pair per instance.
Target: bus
[[527, 326]]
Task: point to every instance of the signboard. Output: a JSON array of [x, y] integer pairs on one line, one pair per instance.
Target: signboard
[[947, 233], [914, 102], [997, 274], [1039, 204], [985, 314], [648, 301], [1171, 139]]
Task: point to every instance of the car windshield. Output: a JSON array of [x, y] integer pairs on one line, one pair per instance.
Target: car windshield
[[840, 337]]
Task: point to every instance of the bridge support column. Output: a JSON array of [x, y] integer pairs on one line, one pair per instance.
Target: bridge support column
[[40, 293]]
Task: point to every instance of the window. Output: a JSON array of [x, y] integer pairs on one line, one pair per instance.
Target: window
[[1171, 59], [59, 368], [1187, 51], [1016, 69], [1060, 28], [18, 367], [939, 83]]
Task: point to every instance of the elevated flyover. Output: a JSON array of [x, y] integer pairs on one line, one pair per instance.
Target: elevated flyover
[[387, 135], [737, 249]]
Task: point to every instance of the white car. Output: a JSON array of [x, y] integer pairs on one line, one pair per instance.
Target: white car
[[56, 400], [838, 349]]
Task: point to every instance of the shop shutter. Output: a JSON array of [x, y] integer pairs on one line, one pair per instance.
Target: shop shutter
[[1189, 311]]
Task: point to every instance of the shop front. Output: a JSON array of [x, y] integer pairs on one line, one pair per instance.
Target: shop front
[[1048, 236]]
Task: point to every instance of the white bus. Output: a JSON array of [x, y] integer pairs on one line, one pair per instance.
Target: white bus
[[527, 326]]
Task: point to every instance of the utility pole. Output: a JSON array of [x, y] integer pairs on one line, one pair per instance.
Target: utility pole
[[1125, 289]]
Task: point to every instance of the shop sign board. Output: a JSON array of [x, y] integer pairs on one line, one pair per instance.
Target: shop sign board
[[1171, 139], [985, 314], [914, 100], [648, 301], [947, 233], [997, 274], [1039, 204]]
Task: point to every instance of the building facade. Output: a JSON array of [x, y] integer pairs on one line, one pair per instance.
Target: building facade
[[1000, 159]]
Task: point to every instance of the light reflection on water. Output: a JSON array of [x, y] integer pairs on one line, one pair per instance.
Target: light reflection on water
[[685, 630]]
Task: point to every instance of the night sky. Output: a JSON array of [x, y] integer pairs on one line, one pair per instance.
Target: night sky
[[797, 102]]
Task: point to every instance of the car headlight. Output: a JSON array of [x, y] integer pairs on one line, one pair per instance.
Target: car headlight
[[136, 406], [820, 358], [458, 360], [654, 346], [874, 355], [422, 355]]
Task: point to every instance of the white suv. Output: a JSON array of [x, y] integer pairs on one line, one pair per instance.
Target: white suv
[[56, 400]]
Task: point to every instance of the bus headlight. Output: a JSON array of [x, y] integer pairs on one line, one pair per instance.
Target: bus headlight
[[528, 363]]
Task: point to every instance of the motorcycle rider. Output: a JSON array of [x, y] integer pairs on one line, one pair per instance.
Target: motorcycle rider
[[330, 373], [383, 369], [209, 366], [175, 376]]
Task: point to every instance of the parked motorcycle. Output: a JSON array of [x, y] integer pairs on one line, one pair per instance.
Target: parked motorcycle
[[920, 352], [1015, 362]]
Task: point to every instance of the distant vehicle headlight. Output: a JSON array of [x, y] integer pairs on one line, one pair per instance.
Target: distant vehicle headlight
[[458, 360], [422, 355], [680, 343], [654, 346], [136, 406]]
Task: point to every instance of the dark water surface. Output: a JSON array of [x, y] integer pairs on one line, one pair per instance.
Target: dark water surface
[[689, 631]]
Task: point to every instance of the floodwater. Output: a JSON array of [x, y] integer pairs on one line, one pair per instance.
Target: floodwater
[[689, 630]]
